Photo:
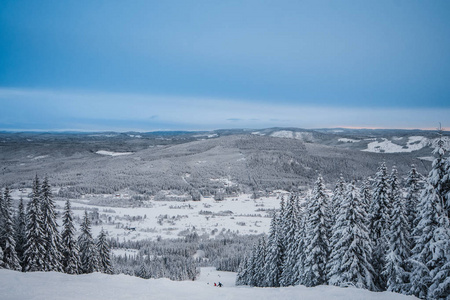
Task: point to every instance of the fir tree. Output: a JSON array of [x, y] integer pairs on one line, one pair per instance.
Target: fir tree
[[242, 274], [396, 269], [10, 259], [350, 259], [423, 257], [301, 246], [380, 210], [289, 275], [414, 186], [259, 262], [70, 259], [317, 249], [21, 232], [274, 262], [52, 238], [35, 245], [104, 254], [338, 193], [88, 249]]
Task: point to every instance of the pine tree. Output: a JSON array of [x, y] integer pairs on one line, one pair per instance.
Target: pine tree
[[396, 269], [366, 196], [52, 238], [317, 244], [350, 259], [414, 185], [21, 232], [423, 257], [259, 262], [380, 211], [338, 193], [10, 259], [301, 246], [2, 221], [70, 259], [274, 262], [242, 274], [35, 245], [104, 254], [289, 275], [88, 249]]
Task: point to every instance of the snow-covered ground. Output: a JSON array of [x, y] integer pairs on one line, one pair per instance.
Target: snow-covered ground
[[169, 219], [110, 153], [52, 285], [414, 143], [346, 140]]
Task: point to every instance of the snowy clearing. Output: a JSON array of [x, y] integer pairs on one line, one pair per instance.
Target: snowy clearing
[[110, 153], [386, 146], [346, 140], [52, 285]]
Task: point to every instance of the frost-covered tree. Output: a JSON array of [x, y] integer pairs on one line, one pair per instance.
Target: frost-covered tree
[[88, 249], [440, 287], [274, 261], [396, 269], [350, 259], [379, 218], [301, 246], [289, 275], [414, 183], [35, 245], [366, 195], [317, 233], [20, 227], [70, 258], [52, 238], [423, 254], [336, 199], [104, 254], [243, 272], [10, 258], [439, 175], [259, 262]]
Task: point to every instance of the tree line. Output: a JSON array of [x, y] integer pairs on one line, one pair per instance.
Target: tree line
[[30, 240], [378, 237]]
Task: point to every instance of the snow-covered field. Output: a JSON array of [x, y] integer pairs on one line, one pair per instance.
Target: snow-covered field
[[168, 219], [111, 153], [52, 285], [414, 143]]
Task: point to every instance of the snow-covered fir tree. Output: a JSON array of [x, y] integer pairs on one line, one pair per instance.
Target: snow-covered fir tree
[[350, 259], [274, 261], [317, 233], [423, 255], [10, 258], [440, 286], [414, 183], [396, 269], [336, 199], [259, 262], [301, 245], [88, 249], [70, 257], [366, 195], [242, 273], [104, 254], [20, 226], [380, 211], [289, 275], [439, 175], [35, 245], [52, 238], [2, 220]]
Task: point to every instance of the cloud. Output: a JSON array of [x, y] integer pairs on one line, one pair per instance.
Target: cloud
[[55, 110]]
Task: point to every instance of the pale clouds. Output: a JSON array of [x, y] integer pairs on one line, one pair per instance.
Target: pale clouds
[[29, 109]]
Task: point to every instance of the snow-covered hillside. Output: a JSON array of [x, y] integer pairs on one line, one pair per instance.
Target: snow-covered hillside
[[52, 285]]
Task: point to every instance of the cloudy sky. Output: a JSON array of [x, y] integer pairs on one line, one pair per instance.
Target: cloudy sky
[[164, 65]]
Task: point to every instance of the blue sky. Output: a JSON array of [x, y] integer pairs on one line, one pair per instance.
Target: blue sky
[[155, 65]]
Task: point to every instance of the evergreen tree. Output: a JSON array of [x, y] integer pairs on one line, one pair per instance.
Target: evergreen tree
[[423, 257], [21, 232], [289, 275], [35, 245], [259, 262], [274, 262], [52, 238], [317, 249], [104, 254], [301, 246], [366, 196], [414, 186], [396, 269], [88, 249], [380, 210], [242, 274], [350, 259], [70, 259], [440, 287], [338, 193], [2, 221], [439, 174], [10, 259]]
